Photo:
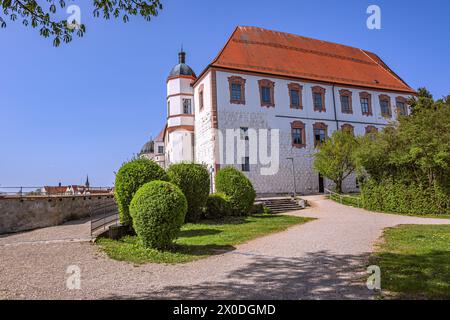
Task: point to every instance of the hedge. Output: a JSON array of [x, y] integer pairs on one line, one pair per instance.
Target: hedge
[[238, 188], [158, 209], [130, 177], [402, 198], [217, 206], [193, 180]]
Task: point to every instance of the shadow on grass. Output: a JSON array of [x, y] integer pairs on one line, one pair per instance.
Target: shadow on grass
[[415, 276], [201, 250], [237, 219], [197, 233]]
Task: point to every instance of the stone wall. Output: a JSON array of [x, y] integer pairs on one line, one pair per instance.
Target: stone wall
[[27, 213]]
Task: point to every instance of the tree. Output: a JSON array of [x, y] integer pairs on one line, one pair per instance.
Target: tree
[[45, 18], [415, 150], [334, 159]]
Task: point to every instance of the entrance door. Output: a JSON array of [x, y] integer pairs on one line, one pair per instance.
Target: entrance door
[[321, 187]]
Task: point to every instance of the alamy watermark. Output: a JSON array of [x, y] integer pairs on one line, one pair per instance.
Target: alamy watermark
[[374, 280], [73, 282], [74, 20], [374, 20]]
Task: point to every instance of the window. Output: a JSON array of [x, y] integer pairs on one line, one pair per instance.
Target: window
[[168, 108], [187, 106], [246, 164], [366, 103], [237, 90], [298, 134], [295, 95], [401, 106], [160, 149], [346, 101], [320, 133], [385, 105], [266, 91], [318, 98], [348, 127], [244, 133], [200, 97], [371, 130]]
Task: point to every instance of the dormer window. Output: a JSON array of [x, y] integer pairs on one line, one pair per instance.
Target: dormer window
[[266, 91], [318, 94], [237, 90], [187, 109]]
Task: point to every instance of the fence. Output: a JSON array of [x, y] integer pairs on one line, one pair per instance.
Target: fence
[[344, 198], [103, 215]]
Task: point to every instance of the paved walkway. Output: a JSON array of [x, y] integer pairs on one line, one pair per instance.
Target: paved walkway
[[322, 259]]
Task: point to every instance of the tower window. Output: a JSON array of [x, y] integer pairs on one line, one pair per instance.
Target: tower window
[[187, 106]]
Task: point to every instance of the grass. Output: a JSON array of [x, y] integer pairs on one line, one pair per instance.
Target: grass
[[415, 261], [354, 200], [200, 240]]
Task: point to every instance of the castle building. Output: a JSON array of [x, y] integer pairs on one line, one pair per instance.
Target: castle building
[[267, 80]]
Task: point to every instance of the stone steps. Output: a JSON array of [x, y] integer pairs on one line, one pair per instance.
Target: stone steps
[[280, 205]]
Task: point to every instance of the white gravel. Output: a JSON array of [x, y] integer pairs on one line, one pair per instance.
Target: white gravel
[[322, 259]]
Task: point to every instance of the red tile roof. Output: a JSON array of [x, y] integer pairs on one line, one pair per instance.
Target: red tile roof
[[259, 50]]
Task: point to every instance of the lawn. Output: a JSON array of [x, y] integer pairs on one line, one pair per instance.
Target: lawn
[[415, 261], [200, 240]]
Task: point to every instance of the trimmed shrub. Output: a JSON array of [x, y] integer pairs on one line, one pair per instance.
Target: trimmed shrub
[[193, 180], [402, 198], [158, 209], [217, 206], [238, 188], [130, 177]]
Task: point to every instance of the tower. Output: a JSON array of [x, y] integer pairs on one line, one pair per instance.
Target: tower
[[180, 113], [87, 184]]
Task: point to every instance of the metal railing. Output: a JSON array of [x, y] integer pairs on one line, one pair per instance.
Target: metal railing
[[103, 216], [356, 201]]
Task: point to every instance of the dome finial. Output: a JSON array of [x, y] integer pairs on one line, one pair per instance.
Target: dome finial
[[182, 55]]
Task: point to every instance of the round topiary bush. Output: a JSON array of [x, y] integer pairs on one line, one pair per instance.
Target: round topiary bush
[[158, 209], [130, 177], [217, 206], [193, 180], [238, 188]]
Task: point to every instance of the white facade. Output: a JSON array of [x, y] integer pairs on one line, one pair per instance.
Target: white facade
[[201, 110]]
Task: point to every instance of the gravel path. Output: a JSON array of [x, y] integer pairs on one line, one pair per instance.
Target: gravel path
[[322, 259]]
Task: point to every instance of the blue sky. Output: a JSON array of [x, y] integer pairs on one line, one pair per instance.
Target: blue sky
[[86, 107]]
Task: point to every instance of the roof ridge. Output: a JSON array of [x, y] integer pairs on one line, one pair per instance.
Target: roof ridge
[[304, 37]]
